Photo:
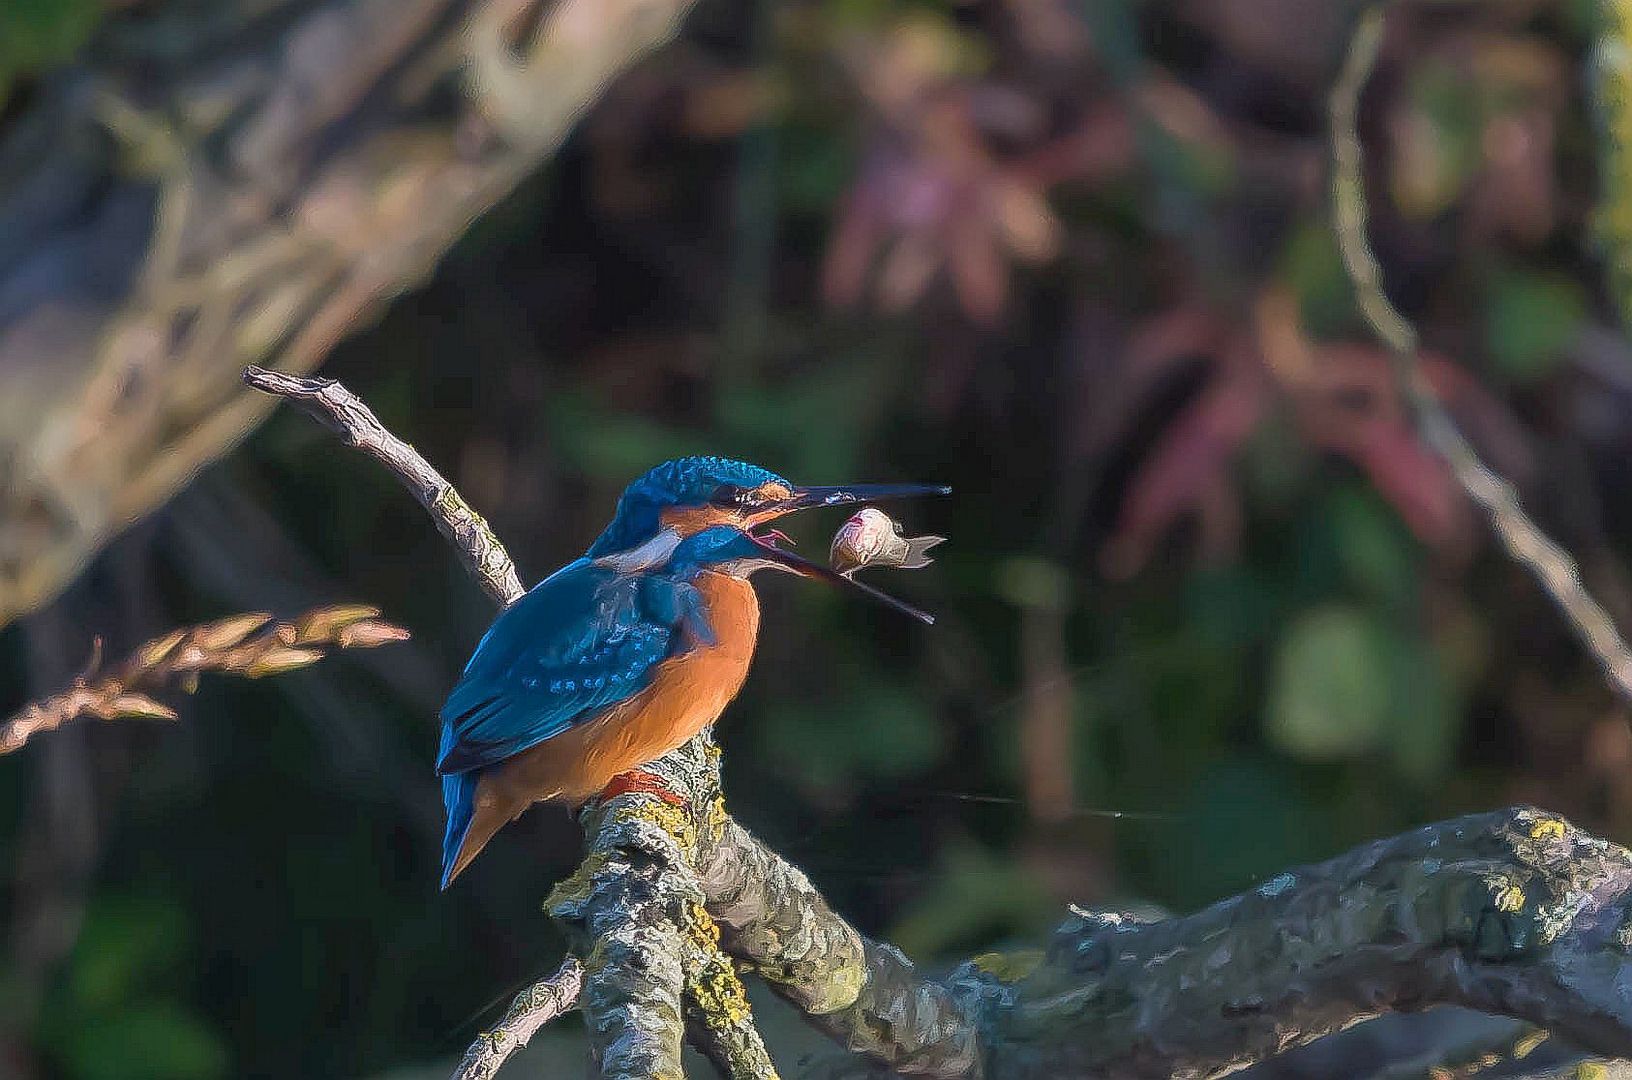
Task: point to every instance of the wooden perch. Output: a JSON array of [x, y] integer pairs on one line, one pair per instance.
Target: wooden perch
[[1515, 913]]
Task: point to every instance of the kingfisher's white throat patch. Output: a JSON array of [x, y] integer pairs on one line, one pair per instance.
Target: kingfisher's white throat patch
[[653, 553]]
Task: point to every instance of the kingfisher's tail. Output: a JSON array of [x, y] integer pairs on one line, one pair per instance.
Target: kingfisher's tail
[[472, 822], [459, 797]]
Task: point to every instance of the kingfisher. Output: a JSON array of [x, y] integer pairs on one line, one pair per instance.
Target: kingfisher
[[628, 651]]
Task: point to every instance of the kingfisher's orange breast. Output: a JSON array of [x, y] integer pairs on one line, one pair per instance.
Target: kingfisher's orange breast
[[686, 694]]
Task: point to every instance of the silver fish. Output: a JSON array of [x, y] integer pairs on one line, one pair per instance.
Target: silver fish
[[873, 538]]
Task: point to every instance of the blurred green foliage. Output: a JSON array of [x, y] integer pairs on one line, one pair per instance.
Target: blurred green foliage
[[35, 34]]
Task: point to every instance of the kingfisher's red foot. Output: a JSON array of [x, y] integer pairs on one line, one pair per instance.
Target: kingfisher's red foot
[[642, 782]]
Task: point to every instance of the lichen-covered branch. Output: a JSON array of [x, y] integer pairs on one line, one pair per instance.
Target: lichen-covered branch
[[344, 413], [634, 911], [530, 1010], [1524, 540], [865, 994], [1514, 913], [251, 645]]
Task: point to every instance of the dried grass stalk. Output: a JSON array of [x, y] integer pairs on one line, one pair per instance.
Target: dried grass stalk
[[251, 645]]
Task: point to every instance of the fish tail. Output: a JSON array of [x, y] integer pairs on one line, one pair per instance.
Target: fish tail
[[917, 556]]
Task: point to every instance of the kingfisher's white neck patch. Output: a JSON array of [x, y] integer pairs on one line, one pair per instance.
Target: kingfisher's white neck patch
[[741, 568], [654, 552]]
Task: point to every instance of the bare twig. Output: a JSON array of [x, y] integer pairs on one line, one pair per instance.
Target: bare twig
[[250, 645], [532, 1009], [344, 413], [1520, 535]]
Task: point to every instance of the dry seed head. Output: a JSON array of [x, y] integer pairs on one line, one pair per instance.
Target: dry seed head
[[225, 633], [190, 657], [140, 706], [369, 633], [159, 648], [279, 659], [324, 623], [250, 645]]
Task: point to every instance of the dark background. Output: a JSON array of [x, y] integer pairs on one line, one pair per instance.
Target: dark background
[[1208, 609]]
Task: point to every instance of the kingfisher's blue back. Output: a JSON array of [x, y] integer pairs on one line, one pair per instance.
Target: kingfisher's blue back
[[582, 641]]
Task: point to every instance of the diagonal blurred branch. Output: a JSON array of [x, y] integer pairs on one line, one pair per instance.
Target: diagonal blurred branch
[[249, 183], [1524, 540]]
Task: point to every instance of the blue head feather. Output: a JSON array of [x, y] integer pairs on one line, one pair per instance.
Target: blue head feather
[[683, 482]]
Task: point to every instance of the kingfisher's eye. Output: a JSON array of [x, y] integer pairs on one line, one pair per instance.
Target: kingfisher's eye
[[734, 497]]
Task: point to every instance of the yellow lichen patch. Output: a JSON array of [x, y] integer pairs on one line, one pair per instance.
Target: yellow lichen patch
[[674, 820], [701, 925], [1547, 829], [576, 888], [714, 987], [1008, 967], [715, 817], [1527, 1042], [1509, 897], [1591, 1070]]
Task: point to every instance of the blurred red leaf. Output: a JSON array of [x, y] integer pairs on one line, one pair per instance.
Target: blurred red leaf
[[932, 197], [1187, 470]]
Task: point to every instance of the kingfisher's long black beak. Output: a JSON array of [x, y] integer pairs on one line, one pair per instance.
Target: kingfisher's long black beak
[[802, 566], [840, 495]]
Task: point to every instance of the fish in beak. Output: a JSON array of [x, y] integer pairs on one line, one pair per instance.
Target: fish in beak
[[840, 495]]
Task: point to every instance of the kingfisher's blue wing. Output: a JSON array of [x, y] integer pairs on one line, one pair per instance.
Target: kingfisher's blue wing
[[582, 640]]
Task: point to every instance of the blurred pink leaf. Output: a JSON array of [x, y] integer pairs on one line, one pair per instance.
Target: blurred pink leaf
[[1186, 471], [931, 197]]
